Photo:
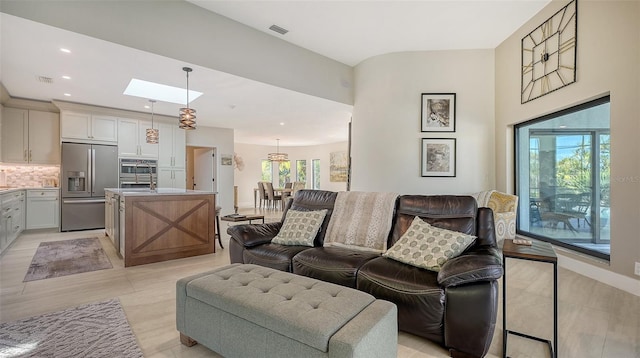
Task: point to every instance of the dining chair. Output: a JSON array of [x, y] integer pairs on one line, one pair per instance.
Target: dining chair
[[262, 193], [287, 194], [271, 197]]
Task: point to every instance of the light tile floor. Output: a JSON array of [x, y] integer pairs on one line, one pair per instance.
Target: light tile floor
[[595, 320]]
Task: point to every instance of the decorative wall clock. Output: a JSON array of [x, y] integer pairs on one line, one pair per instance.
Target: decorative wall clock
[[549, 54]]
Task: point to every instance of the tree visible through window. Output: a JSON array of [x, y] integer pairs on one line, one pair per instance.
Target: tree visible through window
[[563, 178], [301, 170], [266, 170], [284, 173]]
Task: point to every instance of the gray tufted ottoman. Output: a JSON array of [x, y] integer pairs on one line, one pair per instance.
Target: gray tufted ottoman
[[253, 311]]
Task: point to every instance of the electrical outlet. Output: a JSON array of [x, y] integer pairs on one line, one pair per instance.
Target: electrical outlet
[[637, 271]]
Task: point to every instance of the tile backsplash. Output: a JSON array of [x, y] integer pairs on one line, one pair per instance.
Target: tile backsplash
[[28, 176]]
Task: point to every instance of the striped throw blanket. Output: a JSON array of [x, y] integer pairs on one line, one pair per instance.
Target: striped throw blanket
[[361, 221]]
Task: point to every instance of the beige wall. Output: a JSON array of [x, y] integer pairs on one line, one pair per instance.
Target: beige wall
[[222, 140], [608, 62], [252, 156], [386, 136]]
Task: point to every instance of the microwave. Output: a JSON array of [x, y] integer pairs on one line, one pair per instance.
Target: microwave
[[138, 166], [137, 173]]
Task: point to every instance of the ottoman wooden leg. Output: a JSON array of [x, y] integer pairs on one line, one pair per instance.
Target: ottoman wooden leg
[[187, 341]]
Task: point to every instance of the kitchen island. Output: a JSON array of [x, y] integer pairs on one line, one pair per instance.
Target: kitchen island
[[163, 224]]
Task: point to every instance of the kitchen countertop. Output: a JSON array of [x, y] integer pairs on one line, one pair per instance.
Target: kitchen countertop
[[9, 190], [158, 191]]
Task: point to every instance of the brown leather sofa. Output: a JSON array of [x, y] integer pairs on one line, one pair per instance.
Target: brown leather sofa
[[456, 307]]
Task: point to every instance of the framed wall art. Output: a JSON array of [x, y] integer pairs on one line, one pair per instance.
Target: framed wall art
[[226, 159], [338, 167], [438, 112], [438, 157]]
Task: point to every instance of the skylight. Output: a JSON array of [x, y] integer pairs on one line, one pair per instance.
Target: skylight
[[159, 92]]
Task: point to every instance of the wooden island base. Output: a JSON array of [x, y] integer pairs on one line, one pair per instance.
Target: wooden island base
[[165, 227]]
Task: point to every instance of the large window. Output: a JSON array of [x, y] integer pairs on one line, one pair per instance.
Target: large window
[[301, 171], [266, 170], [284, 173], [563, 178], [316, 173]]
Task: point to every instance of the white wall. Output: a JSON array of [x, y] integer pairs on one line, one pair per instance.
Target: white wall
[[252, 156], [222, 140], [608, 57], [386, 137]]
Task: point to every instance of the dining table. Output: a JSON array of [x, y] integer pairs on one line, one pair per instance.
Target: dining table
[[281, 192]]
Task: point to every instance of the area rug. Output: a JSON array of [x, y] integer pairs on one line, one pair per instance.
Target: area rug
[[67, 257], [93, 330]]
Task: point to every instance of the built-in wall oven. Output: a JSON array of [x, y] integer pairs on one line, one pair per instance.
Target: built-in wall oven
[[138, 173]]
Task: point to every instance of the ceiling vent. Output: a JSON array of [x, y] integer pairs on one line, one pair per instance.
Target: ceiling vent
[[44, 79], [278, 29]]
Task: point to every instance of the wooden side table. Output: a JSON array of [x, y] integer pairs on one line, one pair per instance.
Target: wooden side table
[[541, 252], [248, 218]]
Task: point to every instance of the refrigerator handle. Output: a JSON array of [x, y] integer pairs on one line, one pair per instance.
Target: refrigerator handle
[[93, 171]]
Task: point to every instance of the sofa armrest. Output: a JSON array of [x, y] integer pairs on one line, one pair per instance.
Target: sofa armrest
[[250, 235], [481, 264]]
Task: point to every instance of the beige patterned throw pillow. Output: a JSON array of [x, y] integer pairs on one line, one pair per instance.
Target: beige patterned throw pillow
[[427, 246], [300, 227]]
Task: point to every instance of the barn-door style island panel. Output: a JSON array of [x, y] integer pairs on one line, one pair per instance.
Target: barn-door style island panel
[[163, 224]]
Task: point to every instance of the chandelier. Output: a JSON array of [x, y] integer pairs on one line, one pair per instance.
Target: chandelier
[[277, 156], [187, 115], [152, 133]]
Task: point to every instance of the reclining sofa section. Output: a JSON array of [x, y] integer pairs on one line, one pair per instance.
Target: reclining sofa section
[[456, 307]]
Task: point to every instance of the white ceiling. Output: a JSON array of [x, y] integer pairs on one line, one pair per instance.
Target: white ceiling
[[352, 31], [347, 31]]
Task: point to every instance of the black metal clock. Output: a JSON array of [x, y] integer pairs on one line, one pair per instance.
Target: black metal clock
[[549, 54]]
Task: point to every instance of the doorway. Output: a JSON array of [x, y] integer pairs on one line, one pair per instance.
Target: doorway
[[201, 168]]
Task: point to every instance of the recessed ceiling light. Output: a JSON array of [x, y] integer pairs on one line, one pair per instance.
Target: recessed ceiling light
[[66, 77], [67, 94], [65, 50], [281, 123], [164, 93]]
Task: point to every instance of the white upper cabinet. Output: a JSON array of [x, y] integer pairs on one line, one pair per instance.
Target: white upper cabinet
[[104, 128], [88, 127], [15, 135], [132, 139], [30, 136], [172, 178], [172, 150]]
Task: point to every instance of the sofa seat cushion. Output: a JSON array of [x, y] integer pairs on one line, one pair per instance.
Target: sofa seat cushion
[[331, 264], [275, 256], [414, 290]]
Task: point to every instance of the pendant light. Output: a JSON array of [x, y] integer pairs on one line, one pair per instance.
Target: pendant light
[[152, 133], [187, 115], [277, 156]]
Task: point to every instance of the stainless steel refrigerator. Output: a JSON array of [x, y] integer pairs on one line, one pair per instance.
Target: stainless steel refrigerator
[[87, 169]]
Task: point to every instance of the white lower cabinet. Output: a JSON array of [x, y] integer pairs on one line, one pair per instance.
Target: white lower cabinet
[[109, 221], [43, 208], [12, 206], [121, 226]]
